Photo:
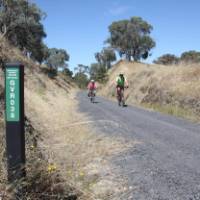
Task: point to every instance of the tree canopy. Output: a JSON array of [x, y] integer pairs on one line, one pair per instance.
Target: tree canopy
[[98, 72], [191, 56], [81, 77], [167, 59], [106, 57], [131, 38], [20, 23], [57, 58], [186, 57]]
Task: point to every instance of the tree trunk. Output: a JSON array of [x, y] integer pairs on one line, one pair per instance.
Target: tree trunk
[[3, 32], [129, 57], [108, 65]]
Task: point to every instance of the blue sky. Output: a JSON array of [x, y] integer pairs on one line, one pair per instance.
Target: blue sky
[[81, 26]]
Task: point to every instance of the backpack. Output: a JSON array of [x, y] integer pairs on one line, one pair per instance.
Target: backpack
[[120, 81]]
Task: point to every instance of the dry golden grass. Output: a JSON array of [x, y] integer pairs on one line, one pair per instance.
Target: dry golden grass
[[70, 143], [161, 85], [42, 181], [69, 156]]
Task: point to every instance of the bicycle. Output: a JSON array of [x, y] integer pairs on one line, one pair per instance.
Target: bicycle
[[92, 95], [120, 96]]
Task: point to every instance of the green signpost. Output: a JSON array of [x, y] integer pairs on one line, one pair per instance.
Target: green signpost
[[12, 94], [15, 138]]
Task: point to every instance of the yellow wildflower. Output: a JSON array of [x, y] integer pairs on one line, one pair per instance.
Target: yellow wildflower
[[81, 174], [51, 168]]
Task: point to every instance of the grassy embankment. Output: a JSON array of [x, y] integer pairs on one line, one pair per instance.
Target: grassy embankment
[[172, 90], [66, 159]]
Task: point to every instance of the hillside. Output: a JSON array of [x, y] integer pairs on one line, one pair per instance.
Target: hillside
[[66, 158], [38, 88], [170, 89]]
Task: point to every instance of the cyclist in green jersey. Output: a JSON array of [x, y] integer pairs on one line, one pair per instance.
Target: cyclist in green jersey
[[121, 84]]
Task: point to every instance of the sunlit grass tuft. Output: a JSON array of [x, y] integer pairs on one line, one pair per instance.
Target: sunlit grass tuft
[[173, 110]]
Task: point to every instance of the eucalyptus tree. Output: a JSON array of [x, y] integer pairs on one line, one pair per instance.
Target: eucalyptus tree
[[21, 24], [131, 38], [167, 59], [57, 58]]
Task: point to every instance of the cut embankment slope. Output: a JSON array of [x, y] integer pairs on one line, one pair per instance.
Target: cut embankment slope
[[171, 89], [42, 179], [65, 158]]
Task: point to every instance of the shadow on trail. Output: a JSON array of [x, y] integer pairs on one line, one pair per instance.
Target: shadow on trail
[[125, 106], [96, 102]]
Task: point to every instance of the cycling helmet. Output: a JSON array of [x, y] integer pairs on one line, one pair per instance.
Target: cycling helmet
[[92, 81]]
